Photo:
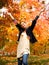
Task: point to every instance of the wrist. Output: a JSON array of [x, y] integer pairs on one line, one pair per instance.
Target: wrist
[[15, 21]]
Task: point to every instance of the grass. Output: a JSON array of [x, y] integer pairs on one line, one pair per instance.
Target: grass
[[38, 60], [33, 60]]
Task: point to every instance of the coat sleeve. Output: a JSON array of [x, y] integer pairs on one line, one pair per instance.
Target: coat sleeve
[[33, 23], [17, 25], [19, 28]]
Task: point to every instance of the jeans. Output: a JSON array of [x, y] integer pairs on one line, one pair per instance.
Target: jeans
[[23, 60]]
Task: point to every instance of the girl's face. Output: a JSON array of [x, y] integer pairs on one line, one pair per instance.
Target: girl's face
[[24, 25]]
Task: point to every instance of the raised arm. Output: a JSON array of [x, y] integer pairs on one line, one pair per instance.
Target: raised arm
[[15, 22], [33, 23], [35, 20]]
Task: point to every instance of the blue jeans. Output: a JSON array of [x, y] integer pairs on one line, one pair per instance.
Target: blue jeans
[[23, 60]]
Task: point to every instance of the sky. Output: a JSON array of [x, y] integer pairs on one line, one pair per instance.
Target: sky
[[46, 1]]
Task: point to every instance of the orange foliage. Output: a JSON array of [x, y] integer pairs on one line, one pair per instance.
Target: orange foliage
[[41, 29], [9, 48], [12, 33]]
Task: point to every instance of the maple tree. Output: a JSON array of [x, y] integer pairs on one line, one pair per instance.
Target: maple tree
[[26, 11]]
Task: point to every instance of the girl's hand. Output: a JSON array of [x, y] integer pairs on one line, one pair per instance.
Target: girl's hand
[[42, 10]]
